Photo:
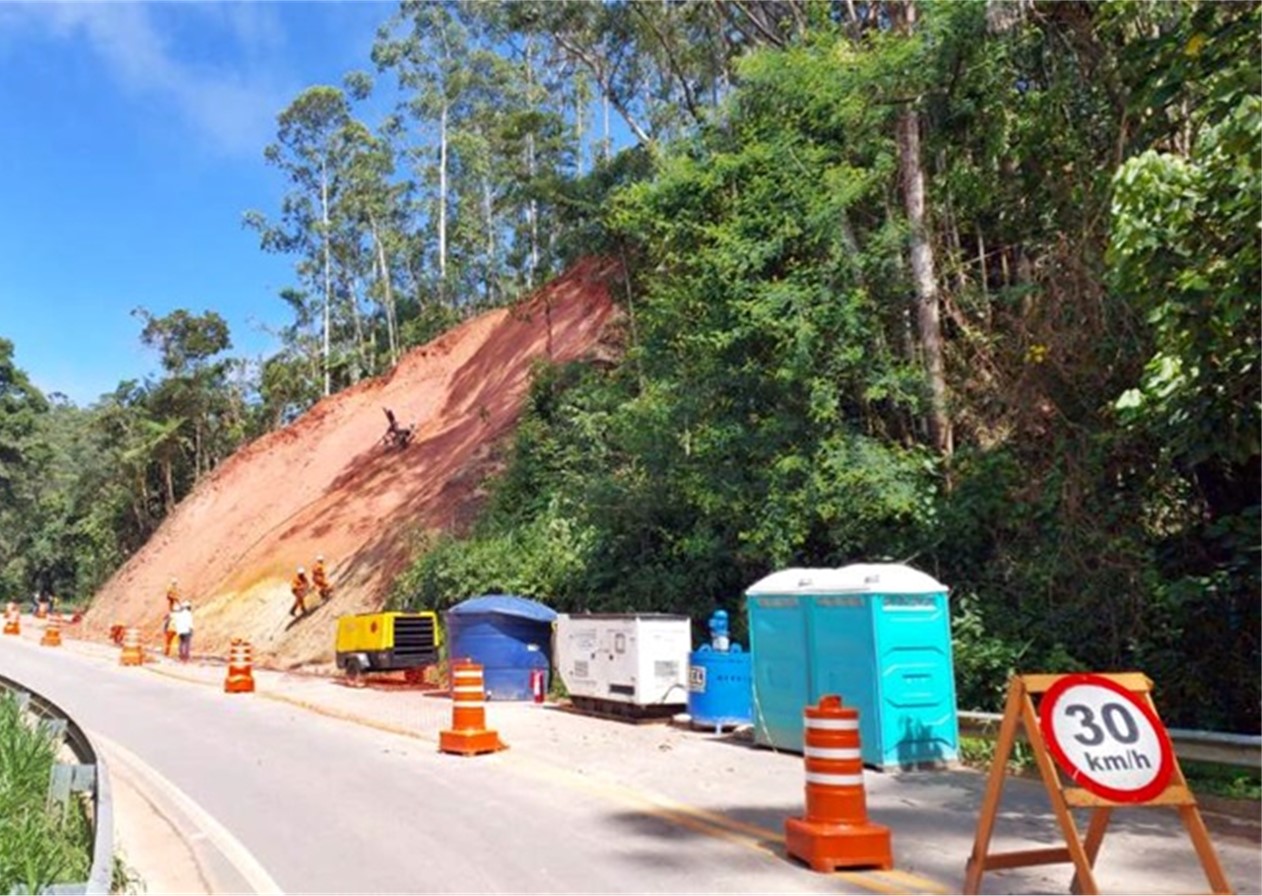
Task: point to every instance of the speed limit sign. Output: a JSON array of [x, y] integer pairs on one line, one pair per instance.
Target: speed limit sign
[[1106, 739]]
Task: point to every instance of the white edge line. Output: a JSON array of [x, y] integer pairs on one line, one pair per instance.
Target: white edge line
[[229, 846]]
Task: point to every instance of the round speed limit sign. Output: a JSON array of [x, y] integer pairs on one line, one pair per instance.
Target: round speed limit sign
[[1106, 739]]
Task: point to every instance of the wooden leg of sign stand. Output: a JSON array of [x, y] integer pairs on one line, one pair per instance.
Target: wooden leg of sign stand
[[994, 788], [1204, 849], [1091, 846]]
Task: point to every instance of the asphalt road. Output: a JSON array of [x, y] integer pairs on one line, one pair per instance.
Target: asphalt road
[[273, 797], [309, 787]]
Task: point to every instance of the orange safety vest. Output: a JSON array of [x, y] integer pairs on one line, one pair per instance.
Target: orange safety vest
[[300, 586], [317, 576]]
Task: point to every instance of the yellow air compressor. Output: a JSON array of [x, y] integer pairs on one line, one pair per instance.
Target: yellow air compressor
[[386, 642]]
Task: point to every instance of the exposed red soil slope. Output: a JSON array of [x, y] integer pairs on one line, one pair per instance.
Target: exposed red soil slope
[[326, 485]]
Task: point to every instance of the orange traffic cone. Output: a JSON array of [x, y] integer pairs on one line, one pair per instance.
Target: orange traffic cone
[[240, 662], [52, 633], [132, 654], [12, 619], [41, 610], [468, 734], [835, 832]]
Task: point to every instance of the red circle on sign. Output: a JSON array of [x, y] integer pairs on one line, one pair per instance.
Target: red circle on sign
[[1081, 776]]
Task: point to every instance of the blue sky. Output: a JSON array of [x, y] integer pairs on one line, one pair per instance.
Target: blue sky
[[131, 142]]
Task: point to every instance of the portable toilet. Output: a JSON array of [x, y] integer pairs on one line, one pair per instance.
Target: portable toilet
[[510, 636], [878, 635]]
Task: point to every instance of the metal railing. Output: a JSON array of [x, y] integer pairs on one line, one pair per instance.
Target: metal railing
[[1242, 750], [87, 775]]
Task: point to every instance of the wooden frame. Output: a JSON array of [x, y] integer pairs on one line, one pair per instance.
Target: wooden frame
[[1020, 710]]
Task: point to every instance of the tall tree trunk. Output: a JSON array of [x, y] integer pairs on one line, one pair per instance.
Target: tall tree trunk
[[533, 209], [928, 301], [328, 268], [387, 294], [488, 213], [442, 204]]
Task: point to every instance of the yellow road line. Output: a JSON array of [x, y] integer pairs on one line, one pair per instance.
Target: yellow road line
[[868, 882], [917, 881], [695, 818]]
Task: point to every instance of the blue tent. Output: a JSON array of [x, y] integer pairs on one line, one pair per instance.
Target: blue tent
[[510, 636]]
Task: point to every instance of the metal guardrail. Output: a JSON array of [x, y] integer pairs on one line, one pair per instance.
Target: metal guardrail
[[1241, 750], [90, 774]]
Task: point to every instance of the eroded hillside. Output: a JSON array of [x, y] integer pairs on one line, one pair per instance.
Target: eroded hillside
[[327, 485]]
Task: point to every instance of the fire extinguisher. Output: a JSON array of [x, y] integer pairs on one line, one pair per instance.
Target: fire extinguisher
[[536, 685]]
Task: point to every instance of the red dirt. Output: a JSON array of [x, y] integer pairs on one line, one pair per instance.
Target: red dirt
[[326, 485]]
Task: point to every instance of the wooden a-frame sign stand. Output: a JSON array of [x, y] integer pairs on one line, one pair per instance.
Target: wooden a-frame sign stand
[[1020, 710]]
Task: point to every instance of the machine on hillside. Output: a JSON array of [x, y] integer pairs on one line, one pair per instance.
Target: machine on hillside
[[396, 436]]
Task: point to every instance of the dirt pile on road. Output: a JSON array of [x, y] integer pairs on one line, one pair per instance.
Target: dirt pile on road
[[327, 485]]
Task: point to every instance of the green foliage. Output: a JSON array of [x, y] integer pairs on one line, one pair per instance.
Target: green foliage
[[40, 844], [1093, 191]]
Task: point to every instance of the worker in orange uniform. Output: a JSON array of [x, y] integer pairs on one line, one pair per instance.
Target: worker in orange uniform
[[320, 580], [173, 604], [300, 586]]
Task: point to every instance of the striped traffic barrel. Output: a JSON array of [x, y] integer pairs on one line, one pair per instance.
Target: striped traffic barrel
[[835, 831], [468, 735]]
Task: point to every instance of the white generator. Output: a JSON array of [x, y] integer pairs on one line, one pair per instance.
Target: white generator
[[635, 658]]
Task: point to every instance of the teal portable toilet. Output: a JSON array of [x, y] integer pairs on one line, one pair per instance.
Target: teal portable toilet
[[878, 634]]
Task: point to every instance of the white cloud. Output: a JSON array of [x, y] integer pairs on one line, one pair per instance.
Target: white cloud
[[221, 79]]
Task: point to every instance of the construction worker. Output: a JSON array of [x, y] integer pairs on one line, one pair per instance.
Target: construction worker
[[320, 580], [168, 626], [182, 622], [168, 632], [300, 587]]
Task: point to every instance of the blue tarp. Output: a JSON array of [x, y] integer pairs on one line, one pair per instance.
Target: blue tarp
[[506, 605]]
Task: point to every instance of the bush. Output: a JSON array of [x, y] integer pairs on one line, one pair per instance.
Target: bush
[[40, 844]]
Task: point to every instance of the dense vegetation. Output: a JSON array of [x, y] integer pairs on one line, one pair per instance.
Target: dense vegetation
[[40, 844], [973, 286]]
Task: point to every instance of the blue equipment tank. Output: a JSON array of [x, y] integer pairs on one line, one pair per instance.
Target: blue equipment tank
[[719, 680], [510, 636]]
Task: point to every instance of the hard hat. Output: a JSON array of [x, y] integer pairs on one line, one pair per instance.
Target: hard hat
[[300, 569], [320, 558]]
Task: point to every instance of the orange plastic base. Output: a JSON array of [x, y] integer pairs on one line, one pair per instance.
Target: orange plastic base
[[134, 658], [470, 743], [827, 847], [12, 630], [241, 685], [51, 639]]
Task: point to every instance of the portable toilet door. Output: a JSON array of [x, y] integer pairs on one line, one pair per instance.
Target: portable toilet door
[[778, 608]]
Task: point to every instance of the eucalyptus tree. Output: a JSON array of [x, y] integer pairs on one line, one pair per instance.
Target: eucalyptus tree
[[310, 151], [425, 44]]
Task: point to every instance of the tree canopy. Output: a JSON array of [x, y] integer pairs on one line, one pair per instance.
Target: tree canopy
[[971, 286]]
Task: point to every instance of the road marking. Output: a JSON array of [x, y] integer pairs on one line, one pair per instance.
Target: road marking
[[714, 824], [704, 821], [915, 880], [233, 851]]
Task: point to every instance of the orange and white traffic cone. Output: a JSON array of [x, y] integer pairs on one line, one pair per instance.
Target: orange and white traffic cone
[[240, 668], [468, 735], [12, 619], [132, 654], [835, 832], [52, 633]]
